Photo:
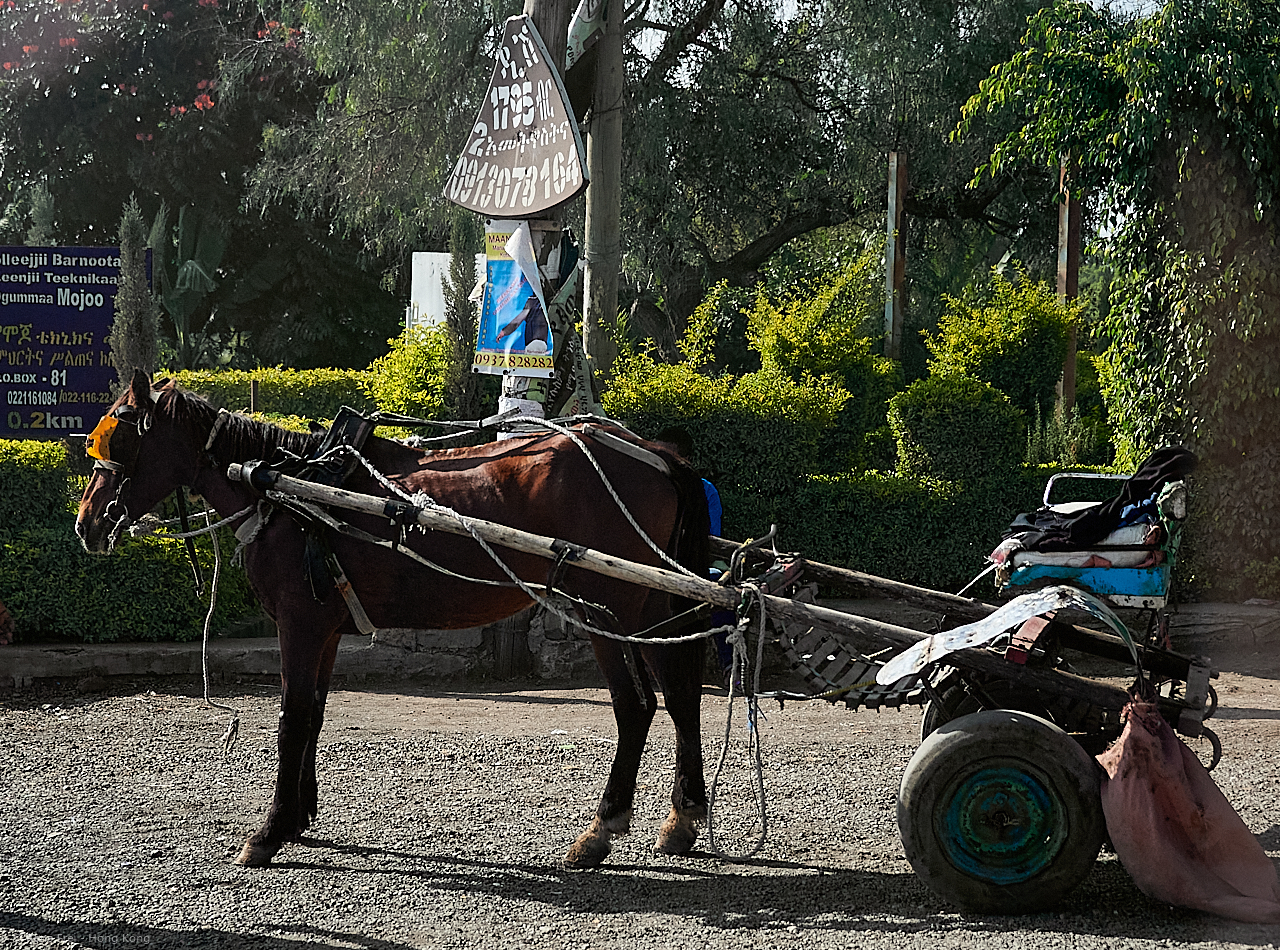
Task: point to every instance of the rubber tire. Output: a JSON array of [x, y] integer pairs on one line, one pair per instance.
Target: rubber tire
[[1015, 764], [957, 701]]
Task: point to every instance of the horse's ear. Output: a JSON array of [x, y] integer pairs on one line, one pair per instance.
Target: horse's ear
[[140, 388]]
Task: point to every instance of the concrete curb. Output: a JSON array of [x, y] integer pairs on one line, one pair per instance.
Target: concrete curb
[[1215, 630], [358, 658]]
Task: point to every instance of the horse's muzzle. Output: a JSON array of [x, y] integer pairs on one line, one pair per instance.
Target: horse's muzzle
[[95, 542]]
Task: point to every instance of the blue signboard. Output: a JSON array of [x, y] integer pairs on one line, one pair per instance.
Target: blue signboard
[[57, 305]]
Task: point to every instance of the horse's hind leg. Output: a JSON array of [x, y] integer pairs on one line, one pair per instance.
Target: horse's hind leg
[[633, 716], [679, 671], [300, 655]]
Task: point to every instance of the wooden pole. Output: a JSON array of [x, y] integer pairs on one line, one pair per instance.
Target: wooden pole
[[1068, 278], [862, 629], [895, 256], [604, 199]]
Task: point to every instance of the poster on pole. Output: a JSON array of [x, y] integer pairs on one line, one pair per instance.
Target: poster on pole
[[514, 334], [57, 305], [524, 155]]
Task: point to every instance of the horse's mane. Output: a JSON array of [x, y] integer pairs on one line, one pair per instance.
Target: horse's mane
[[240, 436]]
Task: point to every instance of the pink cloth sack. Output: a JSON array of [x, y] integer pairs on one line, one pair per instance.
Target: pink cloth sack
[[1173, 829]]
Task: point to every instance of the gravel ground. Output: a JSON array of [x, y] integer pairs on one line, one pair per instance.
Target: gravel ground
[[444, 816]]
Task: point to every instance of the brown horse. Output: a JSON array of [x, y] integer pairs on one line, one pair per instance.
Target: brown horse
[[155, 440]]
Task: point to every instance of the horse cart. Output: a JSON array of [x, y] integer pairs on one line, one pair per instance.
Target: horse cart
[[999, 809]]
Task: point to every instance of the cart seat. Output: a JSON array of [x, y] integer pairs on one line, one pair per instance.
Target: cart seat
[[1131, 567]]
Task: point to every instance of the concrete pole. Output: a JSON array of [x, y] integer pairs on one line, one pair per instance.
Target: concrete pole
[[895, 257], [551, 19], [604, 199], [1068, 279]]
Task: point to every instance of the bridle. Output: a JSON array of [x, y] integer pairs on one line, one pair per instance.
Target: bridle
[[113, 445]]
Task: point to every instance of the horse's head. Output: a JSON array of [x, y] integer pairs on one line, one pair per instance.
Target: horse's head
[[136, 464]]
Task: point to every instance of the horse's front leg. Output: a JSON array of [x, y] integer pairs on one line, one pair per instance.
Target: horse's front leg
[[309, 789], [633, 716], [300, 663], [679, 670]]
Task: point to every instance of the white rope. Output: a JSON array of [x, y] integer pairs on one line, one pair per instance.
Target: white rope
[[425, 501], [738, 639], [233, 727], [148, 527]]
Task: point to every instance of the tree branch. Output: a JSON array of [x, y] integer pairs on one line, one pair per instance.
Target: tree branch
[[679, 40]]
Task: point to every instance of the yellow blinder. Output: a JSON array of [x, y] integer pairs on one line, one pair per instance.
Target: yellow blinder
[[98, 443]]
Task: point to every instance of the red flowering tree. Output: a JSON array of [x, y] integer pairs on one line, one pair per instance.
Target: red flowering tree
[[168, 99]]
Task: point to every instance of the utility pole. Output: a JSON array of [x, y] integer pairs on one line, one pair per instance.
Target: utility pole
[[1068, 278], [551, 17], [604, 199], [895, 257]]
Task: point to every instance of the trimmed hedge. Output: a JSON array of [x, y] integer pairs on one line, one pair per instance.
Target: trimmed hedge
[[312, 393], [758, 432], [56, 590], [956, 427], [35, 483], [930, 533]]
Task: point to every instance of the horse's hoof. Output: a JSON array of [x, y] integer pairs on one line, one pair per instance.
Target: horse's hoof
[[592, 845], [588, 851], [677, 834], [255, 855]]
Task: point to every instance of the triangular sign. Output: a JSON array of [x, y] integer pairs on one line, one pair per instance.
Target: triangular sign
[[524, 155]]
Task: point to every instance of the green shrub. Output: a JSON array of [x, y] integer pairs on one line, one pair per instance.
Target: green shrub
[[1014, 337], [142, 592], [819, 335], [311, 393], [413, 378], [955, 427], [759, 432], [55, 589], [934, 534], [34, 482]]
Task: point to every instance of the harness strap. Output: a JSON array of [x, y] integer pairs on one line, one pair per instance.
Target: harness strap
[[610, 440], [363, 623]]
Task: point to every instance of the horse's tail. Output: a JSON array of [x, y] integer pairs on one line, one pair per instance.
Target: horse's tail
[[691, 545]]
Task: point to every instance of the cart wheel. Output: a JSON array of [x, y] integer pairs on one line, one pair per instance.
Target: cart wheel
[[1001, 812], [957, 702]]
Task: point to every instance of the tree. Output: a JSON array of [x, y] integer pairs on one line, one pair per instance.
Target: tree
[[763, 128], [133, 331], [1174, 119], [168, 99], [747, 126]]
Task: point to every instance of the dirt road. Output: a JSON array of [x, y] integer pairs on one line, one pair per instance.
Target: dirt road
[[444, 815]]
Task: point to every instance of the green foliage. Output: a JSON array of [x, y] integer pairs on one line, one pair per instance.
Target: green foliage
[[414, 377], [55, 589], [758, 433], [313, 393], [34, 483], [957, 428], [818, 333], [466, 239], [1069, 440], [931, 533], [134, 330], [104, 100], [1175, 117], [1013, 337], [142, 592]]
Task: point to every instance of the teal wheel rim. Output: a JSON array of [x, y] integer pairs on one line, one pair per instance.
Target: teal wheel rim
[[1001, 823]]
